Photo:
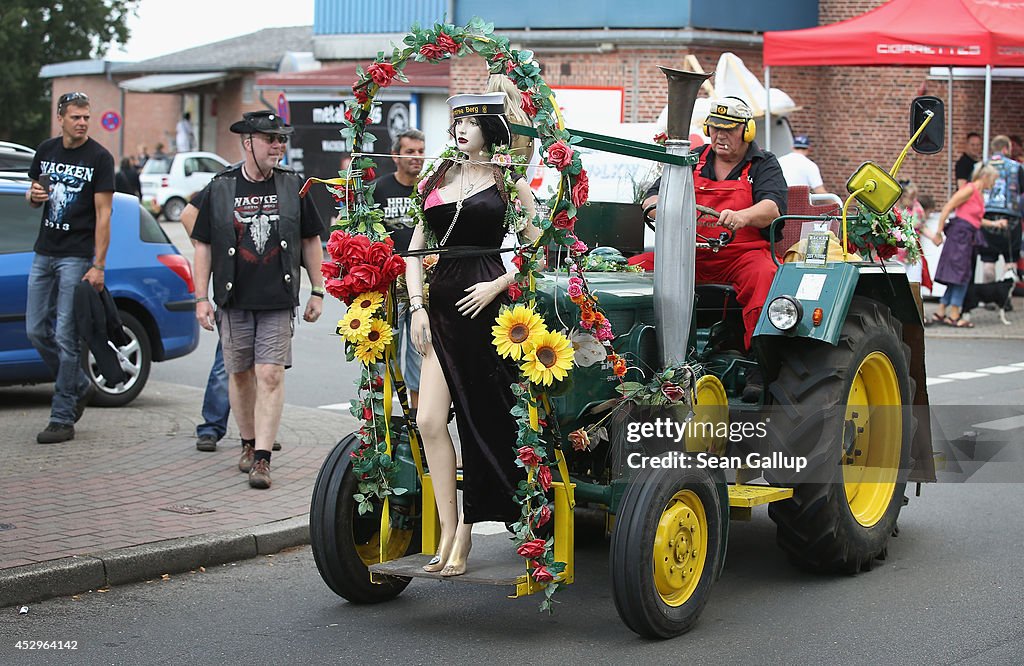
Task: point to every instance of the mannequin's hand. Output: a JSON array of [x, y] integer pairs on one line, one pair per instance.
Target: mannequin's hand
[[419, 331], [480, 296]]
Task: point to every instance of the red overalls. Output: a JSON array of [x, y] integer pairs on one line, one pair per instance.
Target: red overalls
[[746, 263]]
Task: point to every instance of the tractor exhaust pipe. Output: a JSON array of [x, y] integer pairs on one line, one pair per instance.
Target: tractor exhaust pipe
[[674, 241]]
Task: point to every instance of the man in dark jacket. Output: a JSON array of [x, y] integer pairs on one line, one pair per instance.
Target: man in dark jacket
[[252, 233]]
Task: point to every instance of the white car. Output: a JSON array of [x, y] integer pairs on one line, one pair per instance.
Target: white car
[[168, 183]]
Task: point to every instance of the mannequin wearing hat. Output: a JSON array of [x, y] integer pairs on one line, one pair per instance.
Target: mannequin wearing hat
[[746, 185], [464, 205]]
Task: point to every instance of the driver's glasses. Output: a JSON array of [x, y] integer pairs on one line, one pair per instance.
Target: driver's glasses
[[273, 138]]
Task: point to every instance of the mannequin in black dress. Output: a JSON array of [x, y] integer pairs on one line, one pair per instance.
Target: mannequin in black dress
[[464, 205]]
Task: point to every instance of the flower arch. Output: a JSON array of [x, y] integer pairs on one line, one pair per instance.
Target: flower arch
[[363, 267]]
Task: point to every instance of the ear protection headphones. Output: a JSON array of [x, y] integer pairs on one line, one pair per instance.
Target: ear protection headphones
[[749, 128]]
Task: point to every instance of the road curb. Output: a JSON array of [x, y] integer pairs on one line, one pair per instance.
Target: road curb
[[82, 573]]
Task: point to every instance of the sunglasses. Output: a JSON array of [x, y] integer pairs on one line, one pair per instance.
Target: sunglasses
[[273, 138], [67, 98]]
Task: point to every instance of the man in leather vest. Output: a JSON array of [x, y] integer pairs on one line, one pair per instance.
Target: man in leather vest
[[1002, 202], [747, 186], [253, 233]]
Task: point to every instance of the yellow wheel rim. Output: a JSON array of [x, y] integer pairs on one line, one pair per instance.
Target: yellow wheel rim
[[398, 544], [680, 548], [710, 412], [872, 439]]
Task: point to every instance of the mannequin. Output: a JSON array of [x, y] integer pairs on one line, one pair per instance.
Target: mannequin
[[464, 205]]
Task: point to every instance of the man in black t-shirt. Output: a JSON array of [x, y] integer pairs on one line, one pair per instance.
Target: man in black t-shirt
[[972, 155], [393, 193], [253, 232], [73, 180]]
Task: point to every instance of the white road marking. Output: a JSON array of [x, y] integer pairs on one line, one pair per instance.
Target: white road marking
[[338, 406], [1001, 369], [1009, 423], [964, 375], [934, 381]]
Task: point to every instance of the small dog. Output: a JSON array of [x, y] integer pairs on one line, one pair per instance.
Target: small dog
[[998, 293]]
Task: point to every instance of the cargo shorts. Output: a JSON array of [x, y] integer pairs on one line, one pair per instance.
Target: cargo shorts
[[251, 337]]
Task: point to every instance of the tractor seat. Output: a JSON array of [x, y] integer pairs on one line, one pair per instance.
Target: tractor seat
[[714, 301]]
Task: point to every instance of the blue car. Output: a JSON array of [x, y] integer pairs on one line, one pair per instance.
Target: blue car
[[151, 282]]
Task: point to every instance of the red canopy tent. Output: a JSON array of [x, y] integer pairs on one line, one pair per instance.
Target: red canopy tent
[[952, 33]]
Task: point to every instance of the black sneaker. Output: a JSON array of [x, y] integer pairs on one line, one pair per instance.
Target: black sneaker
[[755, 385], [276, 446], [84, 401], [56, 432], [206, 443]]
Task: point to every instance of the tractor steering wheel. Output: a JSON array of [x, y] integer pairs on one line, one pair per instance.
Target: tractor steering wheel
[[648, 220]]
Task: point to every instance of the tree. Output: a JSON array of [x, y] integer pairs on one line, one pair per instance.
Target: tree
[[34, 33]]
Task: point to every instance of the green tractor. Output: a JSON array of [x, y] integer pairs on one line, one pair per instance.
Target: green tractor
[[840, 345]]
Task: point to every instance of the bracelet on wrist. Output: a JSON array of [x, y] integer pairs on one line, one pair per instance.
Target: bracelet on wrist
[[99, 268], [416, 307], [203, 299], [319, 293], [419, 296]]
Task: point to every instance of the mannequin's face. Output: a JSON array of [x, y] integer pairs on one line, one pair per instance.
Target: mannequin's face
[[468, 135]]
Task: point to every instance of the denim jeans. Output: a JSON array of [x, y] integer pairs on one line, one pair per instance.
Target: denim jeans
[[954, 295], [50, 327], [411, 364], [216, 407]]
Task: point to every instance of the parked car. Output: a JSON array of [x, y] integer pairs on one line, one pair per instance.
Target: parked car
[[15, 157], [168, 183], [151, 282]]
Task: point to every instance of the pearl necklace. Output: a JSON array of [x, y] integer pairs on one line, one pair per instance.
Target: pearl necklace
[[466, 189]]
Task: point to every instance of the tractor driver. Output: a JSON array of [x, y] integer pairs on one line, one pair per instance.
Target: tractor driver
[[746, 184]]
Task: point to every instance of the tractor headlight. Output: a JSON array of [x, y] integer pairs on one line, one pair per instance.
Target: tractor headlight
[[785, 313]]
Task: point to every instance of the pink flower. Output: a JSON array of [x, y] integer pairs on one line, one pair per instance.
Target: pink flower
[[528, 456], [542, 575], [503, 159], [382, 73], [579, 439], [563, 221], [581, 189], [421, 185], [575, 291], [579, 247], [604, 331], [576, 280], [532, 549], [559, 155], [544, 477]]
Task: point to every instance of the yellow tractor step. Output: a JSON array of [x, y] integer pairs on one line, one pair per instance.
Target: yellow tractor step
[[742, 499]]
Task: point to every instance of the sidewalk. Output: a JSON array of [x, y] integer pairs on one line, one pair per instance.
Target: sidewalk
[[131, 499], [987, 324]]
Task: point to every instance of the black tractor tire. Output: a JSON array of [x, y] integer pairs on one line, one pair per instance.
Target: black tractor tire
[[667, 517], [138, 351], [823, 528], [337, 532]]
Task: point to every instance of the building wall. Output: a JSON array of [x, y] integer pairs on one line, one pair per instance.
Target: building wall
[[146, 119]]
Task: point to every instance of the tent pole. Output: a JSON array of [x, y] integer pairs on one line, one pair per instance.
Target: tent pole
[[768, 108], [949, 137], [988, 111]]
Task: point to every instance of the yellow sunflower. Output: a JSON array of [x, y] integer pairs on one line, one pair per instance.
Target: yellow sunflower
[[515, 328], [371, 347], [369, 301], [548, 358], [355, 324]]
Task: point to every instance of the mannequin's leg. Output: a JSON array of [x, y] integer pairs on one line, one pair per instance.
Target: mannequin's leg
[[432, 421], [456, 564]]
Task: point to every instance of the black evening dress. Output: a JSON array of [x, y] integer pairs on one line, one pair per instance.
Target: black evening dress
[[477, 377]]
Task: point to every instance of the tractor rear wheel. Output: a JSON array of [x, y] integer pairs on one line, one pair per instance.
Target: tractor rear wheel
[[665, 550], [345, 543], [846, 409]]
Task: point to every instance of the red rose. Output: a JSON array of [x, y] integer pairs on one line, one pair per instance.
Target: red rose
[[338, 289], [581, 189], [514, 292], [336, 242], [364, 277], [542, 575], [330, 270], [378, 254], [381, 73], [563, 221], [354, 251], [674, 392], [527, 103], [361, 95], [532, 549], [432, 51], [542, 516], [885, 251], [378, 383], [446, 43], [349, 116], [510, 64], [528, 456], [544, 477], [559, 155], [393, 267], [518, 260], [367, 414], [369, 174]]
